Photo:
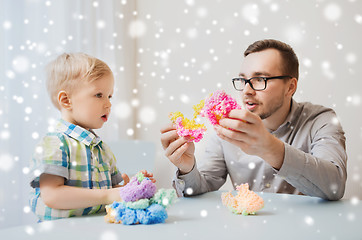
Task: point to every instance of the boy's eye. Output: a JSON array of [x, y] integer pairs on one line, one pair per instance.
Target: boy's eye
[[99, 95], [110, 96]]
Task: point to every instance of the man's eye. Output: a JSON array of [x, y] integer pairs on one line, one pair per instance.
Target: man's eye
[[99, 95]]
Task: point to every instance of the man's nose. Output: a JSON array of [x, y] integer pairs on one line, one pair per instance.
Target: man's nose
[[248, 89]]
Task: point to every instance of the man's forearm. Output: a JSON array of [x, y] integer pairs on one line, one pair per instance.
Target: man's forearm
[[275, 153]]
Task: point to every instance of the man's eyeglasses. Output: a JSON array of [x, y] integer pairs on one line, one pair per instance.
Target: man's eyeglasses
[[256, 83]]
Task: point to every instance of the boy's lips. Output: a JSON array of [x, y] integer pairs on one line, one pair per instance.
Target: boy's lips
[[104, 118]]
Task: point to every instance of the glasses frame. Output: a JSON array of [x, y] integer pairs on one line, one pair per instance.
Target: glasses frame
[[251, 85]]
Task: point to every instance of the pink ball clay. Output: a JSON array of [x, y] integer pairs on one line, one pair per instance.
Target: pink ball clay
[[191, 134], [217, 106]]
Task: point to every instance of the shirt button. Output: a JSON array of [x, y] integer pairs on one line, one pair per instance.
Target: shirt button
[[267, 185], [181, 183]]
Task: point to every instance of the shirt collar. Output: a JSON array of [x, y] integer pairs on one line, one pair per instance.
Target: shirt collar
[[290, 117], [78, 133]]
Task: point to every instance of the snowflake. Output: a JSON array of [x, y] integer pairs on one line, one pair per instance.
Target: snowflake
[[5, 134], [307, 62], [29, 230], [184, 98], [202, 12], [7, 25], [358, 18], [122, 110], [203, 213], [192, 33], [6, 162], [147, 115], [332, 12], [130, 132], [137, 29], [109, 235], [190, 2], [251, 13], [251, 165], [309, 220]]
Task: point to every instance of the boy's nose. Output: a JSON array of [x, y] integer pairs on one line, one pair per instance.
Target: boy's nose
[[108, 103]]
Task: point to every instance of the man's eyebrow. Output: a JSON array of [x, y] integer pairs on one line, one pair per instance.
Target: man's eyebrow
[[261, 74], [256, 74]]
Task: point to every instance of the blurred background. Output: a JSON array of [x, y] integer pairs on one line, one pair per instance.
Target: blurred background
[[166, 55]]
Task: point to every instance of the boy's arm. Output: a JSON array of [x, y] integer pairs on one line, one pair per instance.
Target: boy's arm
[[59, 196]]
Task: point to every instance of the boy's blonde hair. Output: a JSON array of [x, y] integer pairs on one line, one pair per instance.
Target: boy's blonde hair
[[67, 70]]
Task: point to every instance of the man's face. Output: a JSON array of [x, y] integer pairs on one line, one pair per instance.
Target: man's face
[[265, 103]]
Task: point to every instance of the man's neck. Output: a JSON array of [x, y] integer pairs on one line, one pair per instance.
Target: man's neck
[[278, 118]]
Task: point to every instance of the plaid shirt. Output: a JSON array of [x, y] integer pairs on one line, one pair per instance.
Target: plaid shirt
[[81, 158]]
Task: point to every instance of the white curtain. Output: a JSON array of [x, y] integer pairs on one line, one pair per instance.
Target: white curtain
[[34, 32]]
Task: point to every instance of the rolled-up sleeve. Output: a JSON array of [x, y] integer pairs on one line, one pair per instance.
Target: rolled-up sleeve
[[207, 175], [51, 157], [321, 171]]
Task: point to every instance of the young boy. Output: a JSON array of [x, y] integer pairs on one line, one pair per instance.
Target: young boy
[[75, 172]]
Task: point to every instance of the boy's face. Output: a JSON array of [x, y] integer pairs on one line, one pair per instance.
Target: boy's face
[[90, 103]]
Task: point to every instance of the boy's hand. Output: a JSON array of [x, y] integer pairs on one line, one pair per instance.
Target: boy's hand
[[125, 180], [113, 195], [149, 175]]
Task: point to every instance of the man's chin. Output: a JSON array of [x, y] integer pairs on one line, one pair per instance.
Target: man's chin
[[264, 115]]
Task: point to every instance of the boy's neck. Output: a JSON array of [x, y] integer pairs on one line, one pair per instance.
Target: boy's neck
[[67, 117]]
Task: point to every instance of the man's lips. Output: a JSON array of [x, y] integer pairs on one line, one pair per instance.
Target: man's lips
[[250, 105]]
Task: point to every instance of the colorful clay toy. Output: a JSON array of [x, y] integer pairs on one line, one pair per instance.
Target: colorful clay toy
[[141, 203], [215, 107], [245, 202]]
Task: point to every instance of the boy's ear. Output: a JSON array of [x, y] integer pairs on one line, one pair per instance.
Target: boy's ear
[[64, 100]]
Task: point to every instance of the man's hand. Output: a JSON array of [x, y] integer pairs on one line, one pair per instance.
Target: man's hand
[[247, 131], [177, 149]]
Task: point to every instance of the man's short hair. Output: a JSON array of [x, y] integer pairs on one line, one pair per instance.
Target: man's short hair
[[290, 59], [68, 69]]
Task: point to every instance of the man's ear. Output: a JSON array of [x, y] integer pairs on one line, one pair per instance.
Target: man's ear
[[293, 83], [64, 100]]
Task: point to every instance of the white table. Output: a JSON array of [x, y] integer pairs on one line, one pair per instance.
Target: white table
[[204, 217]]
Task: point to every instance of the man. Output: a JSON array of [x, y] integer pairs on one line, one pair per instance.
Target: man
[[275, 144]]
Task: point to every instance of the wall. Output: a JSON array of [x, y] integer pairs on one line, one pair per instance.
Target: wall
[[166, 56]]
